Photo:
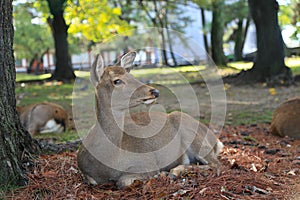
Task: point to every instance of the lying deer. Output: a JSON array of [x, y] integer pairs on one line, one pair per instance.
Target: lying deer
[[286, 119], [123, 147], [43, 118]]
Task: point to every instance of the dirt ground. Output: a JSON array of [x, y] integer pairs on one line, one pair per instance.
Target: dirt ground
[[255, 164]]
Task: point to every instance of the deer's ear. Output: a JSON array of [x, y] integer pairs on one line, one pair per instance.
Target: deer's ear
[[97, 70], [127, 60]]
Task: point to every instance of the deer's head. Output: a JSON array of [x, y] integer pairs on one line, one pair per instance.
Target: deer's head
[[118, 89]]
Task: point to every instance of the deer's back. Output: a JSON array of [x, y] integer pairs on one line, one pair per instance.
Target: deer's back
[[286, 119], [146, 132], [37, 115]]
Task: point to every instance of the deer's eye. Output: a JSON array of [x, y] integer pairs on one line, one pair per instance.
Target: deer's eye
[[118, 81]]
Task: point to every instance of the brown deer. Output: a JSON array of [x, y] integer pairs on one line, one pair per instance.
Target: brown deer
[[286, 119], [123, 146], [43, 118]]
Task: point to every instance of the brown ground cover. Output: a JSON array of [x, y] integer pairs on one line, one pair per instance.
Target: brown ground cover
[[256, 165]]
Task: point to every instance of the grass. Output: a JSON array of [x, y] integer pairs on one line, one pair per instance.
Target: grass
[[249, 117], [69, 135], [8, 187], [34, 93], [170, 75], [293, 63], [241, 65], [27, 77], [62, 93]]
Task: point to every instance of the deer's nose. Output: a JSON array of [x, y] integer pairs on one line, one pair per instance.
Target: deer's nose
[[155, 92]]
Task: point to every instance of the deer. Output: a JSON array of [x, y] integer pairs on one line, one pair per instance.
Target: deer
[[123, 147], [43, 117], [286, 118]]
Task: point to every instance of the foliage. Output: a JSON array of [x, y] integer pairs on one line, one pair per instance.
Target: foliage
[[236, 10], [289, 14], [205, 4], [95, 20], [156, 10], [30, 38]]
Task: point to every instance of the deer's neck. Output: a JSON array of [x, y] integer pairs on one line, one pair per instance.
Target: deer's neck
[[110, 121]]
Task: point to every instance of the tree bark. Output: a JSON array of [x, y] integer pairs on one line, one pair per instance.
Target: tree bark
[[238, 47], [16, 145], [269, 65], [63, 70], [217, 32], [245, 32], [162, 33], [203, 21], [170, 43]]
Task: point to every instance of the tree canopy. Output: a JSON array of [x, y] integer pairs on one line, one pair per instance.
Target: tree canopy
[[95, 20], [30, 38]]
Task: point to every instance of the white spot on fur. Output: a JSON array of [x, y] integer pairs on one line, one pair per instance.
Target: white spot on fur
[[185, 159], [91, 180], [149, 101], [51, 126], [219, 147]]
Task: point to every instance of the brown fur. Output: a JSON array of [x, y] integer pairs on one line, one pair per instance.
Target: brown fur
[[101, 157], [286, 119], [34, 117]]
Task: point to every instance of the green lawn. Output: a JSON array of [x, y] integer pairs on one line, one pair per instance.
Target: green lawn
[[191, 73], [62, 93], [293, 63], [27, 77]]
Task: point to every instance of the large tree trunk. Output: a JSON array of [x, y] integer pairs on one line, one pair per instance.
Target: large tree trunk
[[217, 32], [269, 65], [63, 70], [16, 145]]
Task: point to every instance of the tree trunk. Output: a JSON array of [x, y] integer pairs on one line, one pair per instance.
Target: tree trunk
[[63, 70], [217, 32], [16, 144], [269, 65], [162, 34], [238, 47], [159, 26], [248, 20], [169, 39], [203, 21]]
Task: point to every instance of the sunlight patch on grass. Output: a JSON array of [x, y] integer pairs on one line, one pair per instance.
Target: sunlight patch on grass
[[293, 62], [26, 77], [166, 70], [82, 74], [241, 65], [169, 75]]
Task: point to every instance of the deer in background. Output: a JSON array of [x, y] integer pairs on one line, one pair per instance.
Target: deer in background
[[43, 118], [286, 119], [123, 146]]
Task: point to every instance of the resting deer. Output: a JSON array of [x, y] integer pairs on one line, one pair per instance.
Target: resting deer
[[43, 118], [123, 147], [286, 119]]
